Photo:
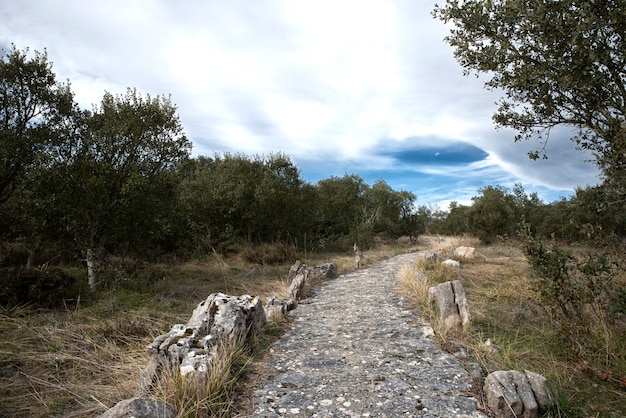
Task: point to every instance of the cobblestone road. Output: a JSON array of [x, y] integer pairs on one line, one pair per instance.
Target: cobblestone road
[[355, 351]]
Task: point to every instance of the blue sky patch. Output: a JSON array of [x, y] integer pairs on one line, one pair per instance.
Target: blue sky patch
[[449, 155]]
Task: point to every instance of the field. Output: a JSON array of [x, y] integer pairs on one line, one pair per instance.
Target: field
[[82, 359]]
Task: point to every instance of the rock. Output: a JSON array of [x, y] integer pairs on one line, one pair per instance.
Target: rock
[[451, 303], [297, 267], [190, 348], [300, 275], [323, 271], [140, 408], [541, 389], [510, 394], [276, 307], [465, 252], [358, 255], [297, 288], [429, 256], [451, 263]]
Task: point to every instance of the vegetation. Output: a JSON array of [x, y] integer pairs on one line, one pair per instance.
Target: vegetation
[[85, 186], [557, 63], [515, 326], [110, 198], [81, 359]]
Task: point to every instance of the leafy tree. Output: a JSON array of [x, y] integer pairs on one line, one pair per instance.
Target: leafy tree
[[234, 196], [558, 63], [416, 222], [341, 208], [387, 210], [33, 108], [455, 222], [118, 173], [33, 105], [492, 214]]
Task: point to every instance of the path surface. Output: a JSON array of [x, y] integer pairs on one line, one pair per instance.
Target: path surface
[[354, 350]]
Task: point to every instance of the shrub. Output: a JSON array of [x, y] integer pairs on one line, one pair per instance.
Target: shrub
[[45, 288], [582, 292]]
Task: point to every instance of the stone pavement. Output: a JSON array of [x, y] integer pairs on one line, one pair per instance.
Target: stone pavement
[[355, 351]]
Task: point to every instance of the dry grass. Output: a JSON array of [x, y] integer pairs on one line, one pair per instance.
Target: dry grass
[[82, 360], [66, 363], [506, 310], [210, 395]]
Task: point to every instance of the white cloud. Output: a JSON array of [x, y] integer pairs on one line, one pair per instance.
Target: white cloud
[[328, 81]]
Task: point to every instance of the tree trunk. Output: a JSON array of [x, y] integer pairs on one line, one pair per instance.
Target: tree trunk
[[32, 254], [91, 270]]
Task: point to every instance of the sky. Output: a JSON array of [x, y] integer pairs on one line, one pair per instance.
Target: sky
[[366, 87]]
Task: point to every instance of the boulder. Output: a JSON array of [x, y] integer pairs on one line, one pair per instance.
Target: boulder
[[140, 408], [465, 252], [428, 256], [451, 263], [358, 255], [189, 349], [510, 394], [323, 271], [451, 303], [297, 268]]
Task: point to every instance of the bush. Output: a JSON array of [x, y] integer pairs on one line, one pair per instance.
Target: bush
[[583, 293], [46, 288], [267, 254]]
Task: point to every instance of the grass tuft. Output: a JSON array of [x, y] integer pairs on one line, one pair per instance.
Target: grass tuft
[[209, 395]]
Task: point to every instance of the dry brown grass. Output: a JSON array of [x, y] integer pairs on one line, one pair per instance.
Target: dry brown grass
[[66, 363], [506, 310], [82, 360]]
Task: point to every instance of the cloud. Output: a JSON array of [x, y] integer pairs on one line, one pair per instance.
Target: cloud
[[367, 88]]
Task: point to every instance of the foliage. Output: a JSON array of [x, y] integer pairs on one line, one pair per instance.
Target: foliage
[[582, 292], [492, 214], [557, 62], [33, 105], [233, 196], [44, 288]]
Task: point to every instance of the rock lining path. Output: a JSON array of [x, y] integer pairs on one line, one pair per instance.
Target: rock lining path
[[355, 351]]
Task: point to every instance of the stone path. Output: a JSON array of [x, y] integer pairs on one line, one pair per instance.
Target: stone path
[[354, 351]]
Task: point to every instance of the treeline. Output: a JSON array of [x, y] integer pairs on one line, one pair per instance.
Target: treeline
[[592, 215], [263, 199], [119, 179]]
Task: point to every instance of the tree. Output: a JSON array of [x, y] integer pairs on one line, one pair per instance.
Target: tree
[[33, 108], [455, 222], [492, 214], [118, 173], [341, 208], [557, 62], [388, 211], [33, 105], [234, 196]]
